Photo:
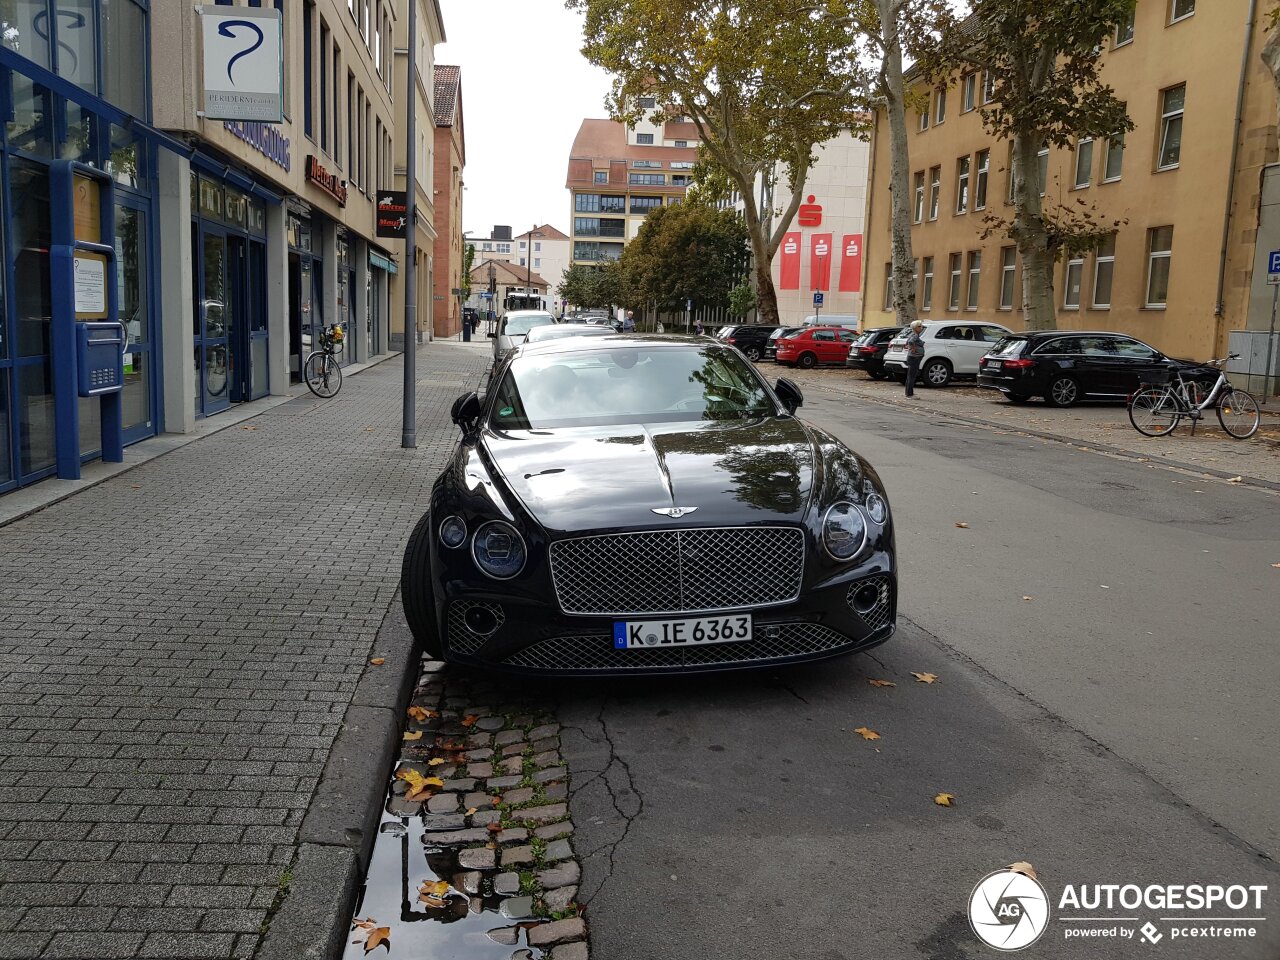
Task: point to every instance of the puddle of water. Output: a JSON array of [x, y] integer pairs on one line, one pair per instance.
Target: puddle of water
[[456, 931]]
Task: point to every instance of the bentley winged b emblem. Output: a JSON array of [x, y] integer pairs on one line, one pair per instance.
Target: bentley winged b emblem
[[675, 513]]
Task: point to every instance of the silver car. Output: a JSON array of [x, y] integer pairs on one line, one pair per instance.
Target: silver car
[[514, 327]]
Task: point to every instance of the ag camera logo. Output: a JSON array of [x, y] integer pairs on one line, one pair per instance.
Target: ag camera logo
[[1008, 910]]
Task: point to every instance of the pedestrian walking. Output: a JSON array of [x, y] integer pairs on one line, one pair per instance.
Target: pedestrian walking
[[629, 322], [915, 353], [698, 329]]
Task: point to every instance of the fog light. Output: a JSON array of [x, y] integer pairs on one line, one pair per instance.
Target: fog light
[[481, 620], [866, 598]]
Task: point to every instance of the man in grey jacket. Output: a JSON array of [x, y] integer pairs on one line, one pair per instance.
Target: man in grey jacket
[[915, 353]]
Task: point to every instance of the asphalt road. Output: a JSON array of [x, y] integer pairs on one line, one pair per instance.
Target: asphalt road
[[1118, 727]]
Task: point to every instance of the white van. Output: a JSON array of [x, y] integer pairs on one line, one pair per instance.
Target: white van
[[849, 320]]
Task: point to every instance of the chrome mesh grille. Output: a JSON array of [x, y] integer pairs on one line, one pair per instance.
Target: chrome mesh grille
[[461, 638], [678, 571], [596, 652], [881, 613]]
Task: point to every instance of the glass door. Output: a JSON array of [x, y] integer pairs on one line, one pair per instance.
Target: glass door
[[132, 245], [256, 368], [215, 319]]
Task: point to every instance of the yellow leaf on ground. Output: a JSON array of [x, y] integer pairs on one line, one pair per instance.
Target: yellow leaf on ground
[[1028, 598], [435, 761], [420, 794], [925, 677], [433, 888], [433, 782], [413, 735], [378, 937], [469, 720], [1023, 868], [867, 733], [945, 799], [378, 661], [471, 811], [962, 526], [882, 683], [417, 713]]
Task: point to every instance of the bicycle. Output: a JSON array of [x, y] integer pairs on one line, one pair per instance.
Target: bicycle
[[321, 371], [1156, 408]]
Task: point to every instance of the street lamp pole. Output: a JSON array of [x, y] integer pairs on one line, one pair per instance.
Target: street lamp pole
[[528, 263], [409, 420]]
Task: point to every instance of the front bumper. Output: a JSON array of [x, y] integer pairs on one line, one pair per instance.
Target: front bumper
[[535, 637]]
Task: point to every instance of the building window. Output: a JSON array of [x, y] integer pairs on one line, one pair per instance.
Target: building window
[[1159, 253], [919, 195], [642, 205], [962, 185], [940, 106], [601, 176], [682, 143], [308, 55], [888, 287], [1071, 284], [1181, 9], [924, 114], [988, 87], [1124, 30], [1043, 158], [647, 164], [975, 274], [353, 135], [1008, 266], [523, 245], [935, 191], [1171, 105], [522, 261], [644, 139], [324, 86], [980, 186], [1104, 266], [647, 179], [926, 291], [537, 263], [1115, 159], [1084, 162], [646, 103], [969, 85], [537, 246], [953, 290]]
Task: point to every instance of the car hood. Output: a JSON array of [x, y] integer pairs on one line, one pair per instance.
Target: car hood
[[585, 478]]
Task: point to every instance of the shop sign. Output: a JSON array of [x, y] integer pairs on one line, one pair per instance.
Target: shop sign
[[264, 138], [319, 174], [393, 213], [243, 63]]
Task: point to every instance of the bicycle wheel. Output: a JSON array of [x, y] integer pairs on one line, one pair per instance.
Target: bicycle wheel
[[1154, 411], [1238, 414], [323, 375]]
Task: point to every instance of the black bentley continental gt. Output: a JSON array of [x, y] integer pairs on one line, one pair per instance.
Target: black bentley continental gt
[[647, 505]]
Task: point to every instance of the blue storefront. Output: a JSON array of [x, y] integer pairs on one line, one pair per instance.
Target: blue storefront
[[77, 156]]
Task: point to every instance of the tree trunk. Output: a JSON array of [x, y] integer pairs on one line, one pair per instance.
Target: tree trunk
[[761, 264], [1032, 236], [904, 287], [1271, 54]]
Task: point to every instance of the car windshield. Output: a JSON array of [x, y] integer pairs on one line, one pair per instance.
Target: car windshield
[[1008, 347], [517, 326], [647, 384]]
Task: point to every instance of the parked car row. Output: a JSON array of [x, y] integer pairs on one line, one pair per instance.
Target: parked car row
[[1064, 367]]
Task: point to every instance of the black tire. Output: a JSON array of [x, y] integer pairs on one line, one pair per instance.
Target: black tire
[[877, 374], [1062, 392], [416, 595], [808, 361], [1154, 411], [1238, 414], [322, 375], [752, 353], [935, 373]]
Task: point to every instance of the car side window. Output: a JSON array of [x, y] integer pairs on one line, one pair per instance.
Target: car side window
[[993, 334], [946, 333], [1096, 347], [1060, 345], [1133, 350], [848, 336], [963, 333], [824, 335]]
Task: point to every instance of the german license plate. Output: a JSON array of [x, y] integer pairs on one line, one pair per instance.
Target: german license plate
[[994, 364], [634, 634]]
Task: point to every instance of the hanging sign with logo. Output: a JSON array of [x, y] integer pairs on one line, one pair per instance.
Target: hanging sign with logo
[[393, 214], [330, 183], [851, 263], [790, 272], [820, 261], [243, 63]]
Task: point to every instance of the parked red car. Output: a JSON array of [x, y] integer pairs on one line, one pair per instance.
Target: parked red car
[[814, 345]]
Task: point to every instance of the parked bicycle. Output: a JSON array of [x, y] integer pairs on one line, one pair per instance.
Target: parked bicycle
[[1156, 409], [321, 371]]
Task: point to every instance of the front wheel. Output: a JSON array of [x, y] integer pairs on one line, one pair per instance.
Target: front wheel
[[808, 361], [1154, 411], [752, 353], [323, 375], [416, 594], [1063, 392], [937, 373], [1238, 414], [877, 374]]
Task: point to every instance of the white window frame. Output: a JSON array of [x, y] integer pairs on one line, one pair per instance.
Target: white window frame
[[919, 197], [956, 267], [969, 96], [1113, 143], [1008, 270], [1116, 42], [982, 167], [1099, 259], [940, 106], [1042, 161], [1081, 145], [964, 166], [974, 280], [888, 288], [1152, 256], [924, 114], [926, 290], [1166, 116], [1075, 264], [1174, 17], [935, 191], [988, 87]]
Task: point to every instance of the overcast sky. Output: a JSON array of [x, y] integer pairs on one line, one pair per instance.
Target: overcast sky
[[525, 91]]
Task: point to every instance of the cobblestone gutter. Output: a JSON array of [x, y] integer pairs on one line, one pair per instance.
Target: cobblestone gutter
[[473, 856]]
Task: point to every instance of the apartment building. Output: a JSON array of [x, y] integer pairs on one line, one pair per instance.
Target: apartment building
[[1179, 271], [548, 251], [617, 174], [450, 160]]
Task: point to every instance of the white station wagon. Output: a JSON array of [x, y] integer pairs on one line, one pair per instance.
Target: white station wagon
[[950, 350]]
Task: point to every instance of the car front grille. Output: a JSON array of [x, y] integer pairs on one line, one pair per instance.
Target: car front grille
[[596, 651], [678, 571], [462, 639]]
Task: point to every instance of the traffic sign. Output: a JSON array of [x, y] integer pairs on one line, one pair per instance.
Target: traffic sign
[[817, 298], [1273, 261], [486, 295], [688, 304]]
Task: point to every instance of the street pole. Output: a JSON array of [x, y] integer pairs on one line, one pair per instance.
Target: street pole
[[493, 296], [409, 426], [1269, 375], [528, 265]]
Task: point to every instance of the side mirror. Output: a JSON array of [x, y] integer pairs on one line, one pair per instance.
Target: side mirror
[[789, 394], [466, 410]]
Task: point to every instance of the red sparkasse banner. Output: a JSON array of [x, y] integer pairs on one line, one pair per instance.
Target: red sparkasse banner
[[851, 263], [790, 273], [820, 261]]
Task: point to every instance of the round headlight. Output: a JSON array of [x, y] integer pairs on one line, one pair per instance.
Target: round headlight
[[453, 532], [499, 550], [844, 531], [877, 509]]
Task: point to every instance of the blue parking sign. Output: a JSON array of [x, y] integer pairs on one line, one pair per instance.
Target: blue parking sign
[[1273, 261], [817, 299]]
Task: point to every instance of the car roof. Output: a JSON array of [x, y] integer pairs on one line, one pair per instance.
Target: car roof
[[561, 331], [1046, 334], [615, 341], [527, 313]]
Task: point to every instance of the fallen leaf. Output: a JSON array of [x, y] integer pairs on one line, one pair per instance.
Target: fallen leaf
[[1276, 565], [925, 677], [1236, 480], [495, 827], [962, 526], [433, 889], [378, 661], [867, 733], [378, 937], [248, 428], [1104, 586], [135, 486], [471, 811], [1028, 598], [420, 794], [469, 720], [435, 761], [411, 735], [890, 683], [945, 799], [1024, 868], [433, 782], [417, 713]]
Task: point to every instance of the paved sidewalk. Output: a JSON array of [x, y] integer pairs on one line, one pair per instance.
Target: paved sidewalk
[[179, 645], [1107, 426]]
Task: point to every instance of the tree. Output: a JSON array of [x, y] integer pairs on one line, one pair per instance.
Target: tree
[[685, 252], [764, 81], [742, 300], [592, 286], [1042, 74], [468, 261]]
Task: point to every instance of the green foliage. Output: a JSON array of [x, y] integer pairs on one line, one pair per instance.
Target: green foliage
[[742, 300], [590, 286], [468, 261], [685, 252]]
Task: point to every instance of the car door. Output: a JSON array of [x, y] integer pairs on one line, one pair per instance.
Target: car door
[[845, 340], [825, 345], [1099, 368], [1138, 363], [964, 348]]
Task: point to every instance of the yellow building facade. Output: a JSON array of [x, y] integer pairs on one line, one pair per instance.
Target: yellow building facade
[[1184, 184]]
